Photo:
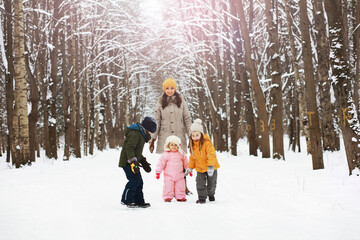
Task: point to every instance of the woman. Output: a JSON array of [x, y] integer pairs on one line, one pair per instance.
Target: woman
[[172, 116]]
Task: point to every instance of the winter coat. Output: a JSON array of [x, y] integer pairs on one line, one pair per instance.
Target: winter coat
[[200, 159], [172, 120], [173, 164], [135, 138]]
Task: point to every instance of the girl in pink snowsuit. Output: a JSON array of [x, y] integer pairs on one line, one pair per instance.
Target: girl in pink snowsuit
[[173, 161]]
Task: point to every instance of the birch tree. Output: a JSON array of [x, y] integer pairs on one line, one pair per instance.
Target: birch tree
[[21, 121], [9, 80]]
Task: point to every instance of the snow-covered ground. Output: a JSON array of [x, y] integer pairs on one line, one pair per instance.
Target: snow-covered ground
[[255, 199]]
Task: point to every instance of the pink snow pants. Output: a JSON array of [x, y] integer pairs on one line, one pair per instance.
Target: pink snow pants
[[172, 188]]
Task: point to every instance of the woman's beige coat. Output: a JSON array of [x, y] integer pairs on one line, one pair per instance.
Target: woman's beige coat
[[172, 120]]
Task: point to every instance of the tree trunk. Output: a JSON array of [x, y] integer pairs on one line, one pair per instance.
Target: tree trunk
[[45, 141], [235, 90], [85, 97], [77, 134], [127, 94], [349, 122], [260, 99], [65, 92], [227, 114], [234, 95], [1, 127], [1, 118], [208, 83], [299, 103], [97, 123], [43, 62], [276, 93], [33, 116], [122, 106], [109, 112], [33, 84], [21, 107], [249, 114], [312, 109], [357, 56], [72, 80], [92, 97], [299, 88], [116, 106], [53, 84], [92, 113], [102, 113], [327, 110], [9, 79], [245, 89]]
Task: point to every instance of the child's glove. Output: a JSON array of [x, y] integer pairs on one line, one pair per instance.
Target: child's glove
[[210, 171], [134, 165], [145, 165], [157, 175], [188, 171]]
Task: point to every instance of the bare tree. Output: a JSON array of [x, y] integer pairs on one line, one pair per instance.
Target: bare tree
[[53, 83], [298, 85], [277, 103], [349, 122], [235, 87], [357, 56], [329, 135], [312, 109], [32, 67], [65, 91], [259, 96], [76, 65]]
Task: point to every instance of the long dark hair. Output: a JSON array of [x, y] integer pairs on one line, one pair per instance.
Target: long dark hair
[[165, 101]]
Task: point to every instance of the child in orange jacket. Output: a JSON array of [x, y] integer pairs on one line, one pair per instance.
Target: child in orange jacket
[[203, 159]]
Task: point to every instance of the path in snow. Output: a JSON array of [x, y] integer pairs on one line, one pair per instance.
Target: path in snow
[[256, 199]]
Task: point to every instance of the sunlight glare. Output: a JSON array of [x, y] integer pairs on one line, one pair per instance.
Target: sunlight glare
[[151, 8]]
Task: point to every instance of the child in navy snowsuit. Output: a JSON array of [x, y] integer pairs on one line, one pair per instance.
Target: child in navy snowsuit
[[131, 158]]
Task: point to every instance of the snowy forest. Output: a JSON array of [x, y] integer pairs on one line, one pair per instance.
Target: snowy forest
[[76, 73]]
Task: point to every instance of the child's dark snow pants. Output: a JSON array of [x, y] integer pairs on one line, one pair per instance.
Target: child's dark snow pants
[[206, 185], [133, 190]]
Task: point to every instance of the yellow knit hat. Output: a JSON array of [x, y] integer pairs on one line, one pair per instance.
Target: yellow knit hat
[[169, 83]]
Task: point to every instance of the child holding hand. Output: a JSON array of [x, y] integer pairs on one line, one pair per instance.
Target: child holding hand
[[173, 161], [203, 159]]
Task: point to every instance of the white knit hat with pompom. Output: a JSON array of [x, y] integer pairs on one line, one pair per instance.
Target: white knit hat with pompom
[[197, 126], [172, 139]]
